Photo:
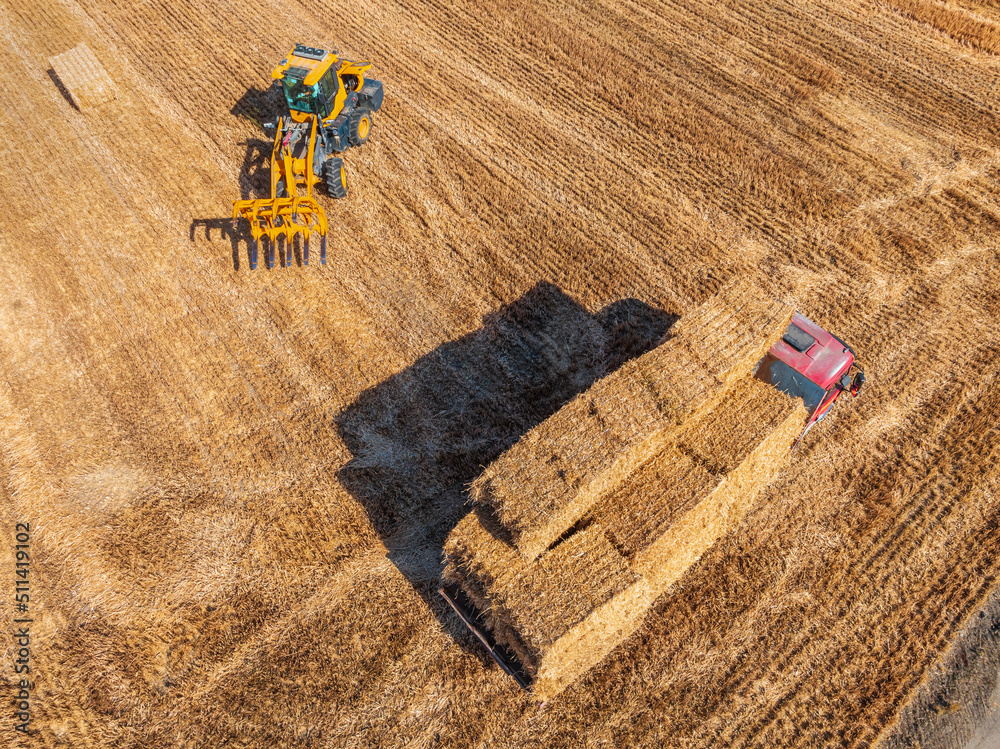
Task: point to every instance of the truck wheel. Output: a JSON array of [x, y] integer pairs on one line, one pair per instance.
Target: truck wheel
[[336, 177], [359, 126]]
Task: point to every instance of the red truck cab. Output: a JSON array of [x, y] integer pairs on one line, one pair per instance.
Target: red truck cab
[[811, 364]]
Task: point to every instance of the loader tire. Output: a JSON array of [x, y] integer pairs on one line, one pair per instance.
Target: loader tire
[[359, 127], [336, 177]]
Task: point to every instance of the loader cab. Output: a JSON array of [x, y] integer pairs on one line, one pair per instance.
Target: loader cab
[[319, 98], [811, 364], [316, 82], [307, 78], [298, 96]]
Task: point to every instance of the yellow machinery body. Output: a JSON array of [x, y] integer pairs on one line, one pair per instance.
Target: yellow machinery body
[[289, 214], [330, 108]]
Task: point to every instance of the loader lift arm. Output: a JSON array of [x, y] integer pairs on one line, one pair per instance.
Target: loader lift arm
[[289, 214]]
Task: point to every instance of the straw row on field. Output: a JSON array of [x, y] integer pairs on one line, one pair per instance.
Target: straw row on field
[[966, 26]]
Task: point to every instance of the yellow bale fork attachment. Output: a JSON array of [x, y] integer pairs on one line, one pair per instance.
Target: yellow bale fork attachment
[[288, 214]]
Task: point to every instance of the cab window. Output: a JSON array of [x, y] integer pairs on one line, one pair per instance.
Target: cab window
[[328, 85], [299, 96], [327, 92], [774, 371]]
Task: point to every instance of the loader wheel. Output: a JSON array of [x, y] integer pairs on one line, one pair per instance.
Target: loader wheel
[[336, 177], [359, 127]]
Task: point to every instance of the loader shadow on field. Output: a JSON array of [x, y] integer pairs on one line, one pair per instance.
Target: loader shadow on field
[[236, 232], [259, 105], [418, 438], [255, 173], [255, 182]]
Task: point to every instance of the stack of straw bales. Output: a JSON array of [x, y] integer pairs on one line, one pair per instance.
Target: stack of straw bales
[[599, 509]]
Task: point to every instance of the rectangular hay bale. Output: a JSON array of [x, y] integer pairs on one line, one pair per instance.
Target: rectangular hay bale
[[472, 551], [643, 507], [546, 598], [592, 639], [733, 330], [530, 605], [564, 612], [543, 484], [556, 473], [722, 438], [665, 560], [83, 77]]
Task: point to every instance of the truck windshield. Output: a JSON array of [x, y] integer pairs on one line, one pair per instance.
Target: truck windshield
[[774, 371], [299, 96]]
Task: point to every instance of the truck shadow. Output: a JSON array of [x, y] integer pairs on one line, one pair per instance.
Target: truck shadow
[[420, 437]]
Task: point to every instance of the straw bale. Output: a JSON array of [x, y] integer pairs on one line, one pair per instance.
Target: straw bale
[[473, 553], [663, 489], [558, 471], [475, 559], [586, 644], [664, 561], [530, 605], [710, 513], [733, 330], [550, 478], [722, 438], [677, 377], [83, 76], [544, 599]]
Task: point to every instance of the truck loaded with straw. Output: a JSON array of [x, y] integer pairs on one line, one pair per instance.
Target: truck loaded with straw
[[579, 527]]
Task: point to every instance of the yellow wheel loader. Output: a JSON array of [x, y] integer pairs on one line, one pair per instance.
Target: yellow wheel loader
[[330, 108]]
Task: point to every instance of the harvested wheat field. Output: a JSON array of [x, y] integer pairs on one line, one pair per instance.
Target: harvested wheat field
[[239, 483]]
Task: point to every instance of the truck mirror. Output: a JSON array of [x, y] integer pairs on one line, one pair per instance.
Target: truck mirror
[[859, 380]]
